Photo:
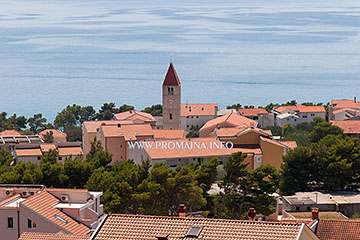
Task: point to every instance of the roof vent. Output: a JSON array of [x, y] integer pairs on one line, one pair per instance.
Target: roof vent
[[64, 198], [9, 191], [194, 231]]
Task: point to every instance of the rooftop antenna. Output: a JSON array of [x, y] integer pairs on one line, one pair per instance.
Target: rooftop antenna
[[171, 59]]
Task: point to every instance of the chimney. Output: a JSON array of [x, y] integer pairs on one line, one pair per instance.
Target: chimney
[[182, 210], [354, 99], [162, 236], [252, 213], [315, 213]]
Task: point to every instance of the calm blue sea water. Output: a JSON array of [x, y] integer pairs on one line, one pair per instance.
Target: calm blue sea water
[[54, 53]]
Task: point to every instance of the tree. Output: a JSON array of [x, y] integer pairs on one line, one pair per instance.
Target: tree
[[13, 122], [125, 108], [5, 158], [323, 129], [36, 123], [194, 132], [53, 173], [234, 106], [49, 137], [155, 110], [78, 172], [244, 189], [97, 157], [106, 112], [298, 170]]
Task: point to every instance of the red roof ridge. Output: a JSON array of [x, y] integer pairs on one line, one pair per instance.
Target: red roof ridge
[[203, 219]]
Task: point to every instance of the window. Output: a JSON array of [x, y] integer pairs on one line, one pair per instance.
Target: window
[[297, 208], [187, 117], [313, 114], [10, 222], [187, 126], [192, 116], [197, 116], [221, 163], [172, 91], [304, 116], [308, 208], [194, 231], [60, 158], [60, 218], [120, 146], [31, 224], [39, 158], [168, 91], [170, 116]]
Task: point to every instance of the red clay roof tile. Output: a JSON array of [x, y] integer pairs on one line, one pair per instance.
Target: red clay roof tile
[[121, 226], [51, 236], [338, 229]]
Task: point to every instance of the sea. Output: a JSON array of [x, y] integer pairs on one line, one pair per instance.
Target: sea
[[55, 53]]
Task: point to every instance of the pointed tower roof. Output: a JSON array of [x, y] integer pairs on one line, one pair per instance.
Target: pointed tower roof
[[171, 78]]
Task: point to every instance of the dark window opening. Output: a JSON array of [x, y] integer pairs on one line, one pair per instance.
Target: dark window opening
[[170, 116], [10, 222], [31, 224], [168, 91], [39, 158], [297, 208], [308, 208]]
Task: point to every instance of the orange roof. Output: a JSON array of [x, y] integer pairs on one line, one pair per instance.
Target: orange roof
[[252, 112], [67, 151], [280, 144], [349, 127], [183, 148], [51, 236], [171, 78], [290, 144], [337, 229], [130, 132], [135, 115], [169, 133], [248, 149], [232, 119], [232, 132], [45, 147], [43, 204], [300, 108], [92, 126], [10, 133], [10, 199], [56, 133], [345, 103], [198, 109], [28, 152], [145, 227]]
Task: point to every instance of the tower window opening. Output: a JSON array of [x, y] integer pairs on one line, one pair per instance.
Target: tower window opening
[[170, 116]]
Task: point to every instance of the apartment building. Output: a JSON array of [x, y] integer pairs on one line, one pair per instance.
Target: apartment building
[[33, 152], [297, 114], [35, 208]]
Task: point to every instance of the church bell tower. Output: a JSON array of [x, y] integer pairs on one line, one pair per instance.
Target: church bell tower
[[171, 99]]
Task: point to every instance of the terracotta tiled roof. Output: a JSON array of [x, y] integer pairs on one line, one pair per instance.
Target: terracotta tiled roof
[[56, 133], [277, 143], [198, 109], [130, 132], [249, 149], [231, 119], [232, 132], [169, 133], [290, 144], [171, 78], [347, 110], [148, 227], [51, 236], [180, 148], [300, 108], [345, 103], [10, 199], [252, 112], [43, 204], [10, 133], [135, 115], [45, 147], [338, 229], [349, 127], [28, 152], [91, 126], [67, 151]]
